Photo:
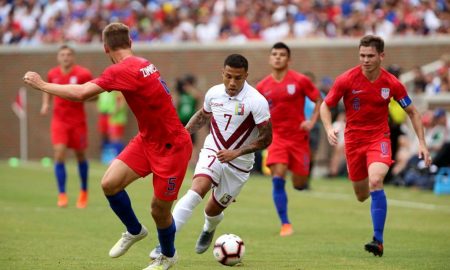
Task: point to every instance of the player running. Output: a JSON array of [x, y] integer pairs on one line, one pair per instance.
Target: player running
[[162, 145], [240, 125], [286, 90], [68, 125], [367, 90]]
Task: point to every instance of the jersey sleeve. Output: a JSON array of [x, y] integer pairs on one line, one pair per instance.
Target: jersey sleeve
[[309, 89], [336, 92], [260, 110], [207, 102], [115, 78], [401, 95]]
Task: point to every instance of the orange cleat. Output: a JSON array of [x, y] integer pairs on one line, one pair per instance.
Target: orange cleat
[[286, 230], [62, 200], [82, 199]]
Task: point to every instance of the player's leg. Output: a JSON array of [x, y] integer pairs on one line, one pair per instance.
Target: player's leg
[[299, 163], [229, 186], [59, 151], [169, 172], [83, 171], [279, 196], [184, 208], [116, 178], [207, 168], [378, 206], [213, 216]]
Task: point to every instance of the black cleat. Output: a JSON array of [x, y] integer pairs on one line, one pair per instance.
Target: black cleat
[[374, 247], [204, 241]]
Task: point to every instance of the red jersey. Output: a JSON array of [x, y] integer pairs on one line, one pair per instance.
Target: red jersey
[[366, 103], [65, 111], [286, 101], [148, 98]]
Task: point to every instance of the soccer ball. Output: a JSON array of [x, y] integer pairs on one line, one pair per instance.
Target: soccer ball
[[229, 249]]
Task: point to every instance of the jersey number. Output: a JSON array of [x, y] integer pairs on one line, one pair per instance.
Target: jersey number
[[213, 159], [229, 119], [171, 184]]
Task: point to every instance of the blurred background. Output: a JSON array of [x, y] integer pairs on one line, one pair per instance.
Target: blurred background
[[188, 39]]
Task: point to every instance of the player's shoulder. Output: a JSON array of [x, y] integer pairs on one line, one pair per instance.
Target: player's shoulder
[[82, 70], [54, 70], [390, 77], [350, 74], [253, 95], [267, 79]]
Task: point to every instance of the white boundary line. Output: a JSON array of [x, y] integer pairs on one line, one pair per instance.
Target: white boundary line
[[391, 202]]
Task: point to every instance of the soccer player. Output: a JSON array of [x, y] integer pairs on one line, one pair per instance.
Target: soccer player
[[240, 125], [68, 124], [285, 90], [367, 90], [162, 146]]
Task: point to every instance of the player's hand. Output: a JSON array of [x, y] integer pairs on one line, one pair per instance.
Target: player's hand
[[226, 155], [425, 155], [332, 136], [33, 79], [306, 125]]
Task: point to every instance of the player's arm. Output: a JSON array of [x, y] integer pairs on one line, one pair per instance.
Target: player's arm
[[414, 115], [315, 115], [325, 116], [74, 92], [45, 103], [198, 120], [263, 140]]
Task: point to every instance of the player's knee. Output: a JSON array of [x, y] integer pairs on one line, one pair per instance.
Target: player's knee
[[108, 187], [361, 197]]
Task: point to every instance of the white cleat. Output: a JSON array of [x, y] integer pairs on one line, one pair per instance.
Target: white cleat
[[155, 252], [163, 262], [126, 241]]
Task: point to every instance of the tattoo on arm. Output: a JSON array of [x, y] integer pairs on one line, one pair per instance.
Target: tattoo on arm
[[264, 139], [198, 120]]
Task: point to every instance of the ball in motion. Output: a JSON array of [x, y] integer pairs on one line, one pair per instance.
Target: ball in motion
[[229, 249]]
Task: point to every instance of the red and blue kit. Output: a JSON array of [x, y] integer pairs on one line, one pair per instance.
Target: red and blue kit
[[68, 124], [367, 107], [286, 101], [162, 146]]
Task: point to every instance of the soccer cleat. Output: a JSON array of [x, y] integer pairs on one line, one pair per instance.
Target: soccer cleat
[[155, 252], [62, 200], [82, 199], [126, 241], [204, 241], [286, 230], [375, 247], [163, 262]]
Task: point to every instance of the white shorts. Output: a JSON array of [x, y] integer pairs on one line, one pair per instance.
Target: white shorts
[[227, 179]]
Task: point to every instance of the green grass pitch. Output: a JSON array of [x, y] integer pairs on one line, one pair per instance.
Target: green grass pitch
[[331, 227]]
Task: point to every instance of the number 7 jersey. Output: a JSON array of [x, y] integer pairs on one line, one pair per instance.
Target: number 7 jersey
[[234, 119]]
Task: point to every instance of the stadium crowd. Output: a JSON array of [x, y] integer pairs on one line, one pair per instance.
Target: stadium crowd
[[34, 22]]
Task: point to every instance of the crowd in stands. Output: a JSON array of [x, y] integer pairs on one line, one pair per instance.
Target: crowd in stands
[[33, 22]]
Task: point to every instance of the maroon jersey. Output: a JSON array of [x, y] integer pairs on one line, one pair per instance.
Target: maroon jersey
[[286, 101], [148, 98], [366, 103], [67, 112]]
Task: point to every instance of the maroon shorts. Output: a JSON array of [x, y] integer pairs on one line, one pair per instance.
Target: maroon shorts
[[360, 156], [293, 153], [168, 164]]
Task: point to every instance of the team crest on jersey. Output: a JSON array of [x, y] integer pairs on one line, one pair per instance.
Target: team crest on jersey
[[240, 108], [385, 93], [73, 80], [290, 89]]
